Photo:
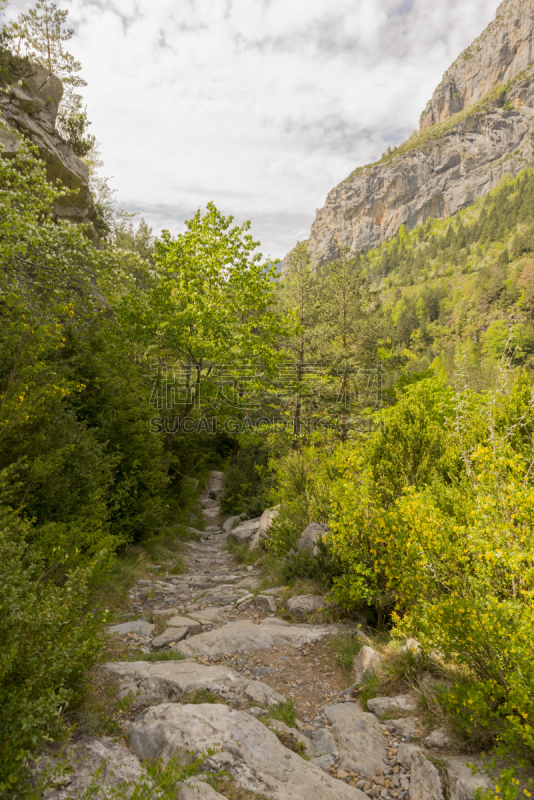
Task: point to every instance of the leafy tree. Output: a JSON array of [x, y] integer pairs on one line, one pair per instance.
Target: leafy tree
[[209, 303]]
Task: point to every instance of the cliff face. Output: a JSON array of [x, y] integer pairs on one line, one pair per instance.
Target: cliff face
[[31, 109], [504, 49], [451, 162]]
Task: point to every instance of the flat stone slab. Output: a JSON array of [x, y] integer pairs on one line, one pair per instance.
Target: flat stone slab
[[184, 622], [208, 615], [167, 681], [403, 703], [245, 635], [140, 626], [170, 636], [358, 737], [244, 748]]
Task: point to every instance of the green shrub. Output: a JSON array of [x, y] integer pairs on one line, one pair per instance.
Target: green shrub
[[48, 644]]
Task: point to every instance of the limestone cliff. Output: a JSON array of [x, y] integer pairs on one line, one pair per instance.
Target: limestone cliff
[[450, 163], [30, 106], [501, 52]]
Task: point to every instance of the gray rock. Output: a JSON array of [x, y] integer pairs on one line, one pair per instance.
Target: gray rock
[[462, 783], [114, 762], [266, 603], [365, 664], [267, 519], [170, 636], [166, 612], [245, 531], [358, 738], [167, 681], [425, 783], [199, 790], [305, 604], [244, 747], [184, 622], [139, 626], [324, 743], [245, 635], [438, 738], [230, 523], [404, 703], [309, 537], [324, 762], [402, 727], [208, 615]]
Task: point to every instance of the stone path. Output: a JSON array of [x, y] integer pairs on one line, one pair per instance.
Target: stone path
[[237, 648]]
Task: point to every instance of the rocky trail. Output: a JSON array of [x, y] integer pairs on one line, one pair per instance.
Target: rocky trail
[[246, 663]]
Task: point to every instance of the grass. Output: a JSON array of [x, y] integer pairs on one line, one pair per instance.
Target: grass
[[285, 712], [166, 655], [226, 786], [242, 554], [346, 647], [201, 696]]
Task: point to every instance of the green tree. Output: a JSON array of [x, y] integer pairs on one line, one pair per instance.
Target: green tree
[[209, 302]]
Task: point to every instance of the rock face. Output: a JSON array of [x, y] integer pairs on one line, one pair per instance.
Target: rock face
[[447, 167], [358, 738], [309, 536], [31, 109], [503, 50], [243, 746]]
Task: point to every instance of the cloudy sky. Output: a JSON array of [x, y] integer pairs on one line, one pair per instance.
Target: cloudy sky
[[262, 106]]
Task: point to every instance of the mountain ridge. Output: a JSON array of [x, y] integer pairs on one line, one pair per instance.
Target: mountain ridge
[[449, 164]]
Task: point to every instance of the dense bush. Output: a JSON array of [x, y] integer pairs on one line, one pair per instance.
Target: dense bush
[[48, 643]]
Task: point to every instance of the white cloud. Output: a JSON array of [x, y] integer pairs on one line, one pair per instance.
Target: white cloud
[[259, 105]]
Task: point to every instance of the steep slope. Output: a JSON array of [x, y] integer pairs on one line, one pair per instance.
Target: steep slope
[[502, 51], [447, 165]]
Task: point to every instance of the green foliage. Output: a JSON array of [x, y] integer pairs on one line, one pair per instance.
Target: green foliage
[[48, 643], [247, 481]]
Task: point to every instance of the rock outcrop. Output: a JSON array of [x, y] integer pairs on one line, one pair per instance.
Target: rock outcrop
[[454, 160], [30, 107], [504, 49]]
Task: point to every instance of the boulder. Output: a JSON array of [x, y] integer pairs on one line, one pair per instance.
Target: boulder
[[438, 738], [405, 726], [305, 604], [266, 603], [113, 762], [244, 748], [462, 783], [168, 681], [404, 703], [170, 636], [309, 537], [230, 523], [425, 783], [245, 531], [358, 737], [246, 635], [139, 626], [365, 664], [267, 519]]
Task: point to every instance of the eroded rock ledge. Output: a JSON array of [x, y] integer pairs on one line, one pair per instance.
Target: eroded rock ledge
[[30, 107]]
